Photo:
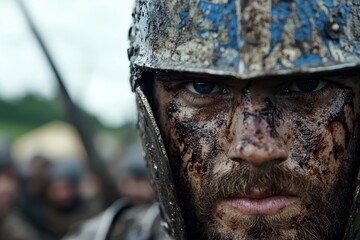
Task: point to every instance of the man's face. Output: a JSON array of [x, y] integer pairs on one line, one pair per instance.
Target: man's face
[[261, 159], [62, 194], [8, 188]]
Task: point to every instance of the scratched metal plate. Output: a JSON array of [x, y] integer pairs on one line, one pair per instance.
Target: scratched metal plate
[[159, 169], [244, 38]]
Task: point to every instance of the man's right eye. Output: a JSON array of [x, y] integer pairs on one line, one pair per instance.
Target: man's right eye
[[308, 86], [304, 86], [203, 87]]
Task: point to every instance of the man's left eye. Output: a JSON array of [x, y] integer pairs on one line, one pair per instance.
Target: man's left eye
[[203, 87], [307, 86]]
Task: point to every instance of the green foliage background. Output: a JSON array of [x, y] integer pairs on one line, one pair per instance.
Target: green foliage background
[[22, 115]]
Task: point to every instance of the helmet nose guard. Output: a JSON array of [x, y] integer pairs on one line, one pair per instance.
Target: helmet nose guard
[[246, 39]]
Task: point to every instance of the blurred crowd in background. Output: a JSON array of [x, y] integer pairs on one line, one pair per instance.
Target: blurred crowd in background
[[49, 182], [47, 186]]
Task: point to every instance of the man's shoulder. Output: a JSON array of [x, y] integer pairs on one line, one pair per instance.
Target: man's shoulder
[[122, 221]]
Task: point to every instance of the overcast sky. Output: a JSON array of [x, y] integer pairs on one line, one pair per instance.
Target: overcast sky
[[88, 40]]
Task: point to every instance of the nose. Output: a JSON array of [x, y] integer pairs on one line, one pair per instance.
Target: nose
[[257, 142]]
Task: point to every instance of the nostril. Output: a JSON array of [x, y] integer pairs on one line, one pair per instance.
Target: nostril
[[258, 155]]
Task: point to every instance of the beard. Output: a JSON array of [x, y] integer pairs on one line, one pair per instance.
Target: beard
[[323, 214]]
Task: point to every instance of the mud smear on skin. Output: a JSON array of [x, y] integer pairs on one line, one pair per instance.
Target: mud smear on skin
[[337, 115], [191, 134], [311, 139], [271, 114]]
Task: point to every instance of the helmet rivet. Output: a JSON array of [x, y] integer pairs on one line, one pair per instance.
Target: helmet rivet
[[333, 28]]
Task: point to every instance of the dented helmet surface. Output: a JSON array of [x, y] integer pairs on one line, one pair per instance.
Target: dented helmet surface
[[246, 39]]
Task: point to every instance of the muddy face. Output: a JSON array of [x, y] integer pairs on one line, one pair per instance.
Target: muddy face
[[261, 159]]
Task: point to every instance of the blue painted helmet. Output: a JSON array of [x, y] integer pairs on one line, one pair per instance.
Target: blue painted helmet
[[246, 39]]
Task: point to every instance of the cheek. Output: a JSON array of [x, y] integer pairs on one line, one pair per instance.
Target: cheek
[[194, 142], [321, 144]]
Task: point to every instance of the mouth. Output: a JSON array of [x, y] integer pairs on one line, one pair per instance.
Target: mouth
[[262, 202]]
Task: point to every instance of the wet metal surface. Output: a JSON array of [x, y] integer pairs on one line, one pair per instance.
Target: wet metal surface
[[246, 38], [159, 170]]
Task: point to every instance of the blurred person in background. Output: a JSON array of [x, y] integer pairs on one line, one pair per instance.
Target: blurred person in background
[[132, 179], [34, 181], [13, 225], [38, 176], [137, 196], [63, 202], [52, 198], [89, 187]]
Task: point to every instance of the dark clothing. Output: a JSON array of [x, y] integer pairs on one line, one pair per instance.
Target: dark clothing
[[13, 226], [53, 224], [58, 222]]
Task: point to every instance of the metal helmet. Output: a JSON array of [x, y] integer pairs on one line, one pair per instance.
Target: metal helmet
[[240, 38], [244, 38]]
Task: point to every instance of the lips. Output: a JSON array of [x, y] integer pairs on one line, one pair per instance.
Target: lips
[[262, 202]]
